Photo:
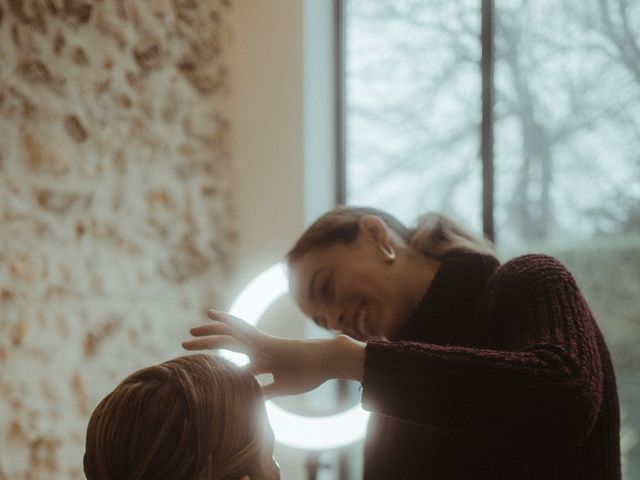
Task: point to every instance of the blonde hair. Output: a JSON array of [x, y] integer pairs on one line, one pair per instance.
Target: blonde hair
[[435, 234], [196, 417]]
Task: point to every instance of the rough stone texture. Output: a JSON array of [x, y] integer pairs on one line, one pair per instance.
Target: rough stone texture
[[116, 222]]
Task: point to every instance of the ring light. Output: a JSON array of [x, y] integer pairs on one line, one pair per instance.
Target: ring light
[[290, 429]]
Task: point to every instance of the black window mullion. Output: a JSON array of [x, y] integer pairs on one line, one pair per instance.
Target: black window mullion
[[487, 67], [340, 101]]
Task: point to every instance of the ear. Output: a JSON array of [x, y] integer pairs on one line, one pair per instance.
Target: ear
[[374, 227]]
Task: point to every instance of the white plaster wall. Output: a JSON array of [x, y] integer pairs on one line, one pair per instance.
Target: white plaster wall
[[283, 136], [281, 70]]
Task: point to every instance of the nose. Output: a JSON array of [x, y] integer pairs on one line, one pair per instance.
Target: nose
[[337, 321]]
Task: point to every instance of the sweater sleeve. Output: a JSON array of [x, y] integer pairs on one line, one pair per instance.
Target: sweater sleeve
[[542, 387]]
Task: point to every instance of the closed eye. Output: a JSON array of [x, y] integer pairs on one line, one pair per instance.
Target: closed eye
[[328, 286], [325, 289]]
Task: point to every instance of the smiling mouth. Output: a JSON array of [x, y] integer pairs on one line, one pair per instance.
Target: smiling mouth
[[360, 324]]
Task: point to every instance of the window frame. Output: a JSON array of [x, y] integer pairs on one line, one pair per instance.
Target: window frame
[[486, 130]]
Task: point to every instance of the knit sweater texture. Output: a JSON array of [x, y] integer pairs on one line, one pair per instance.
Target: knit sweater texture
[[500, 373]]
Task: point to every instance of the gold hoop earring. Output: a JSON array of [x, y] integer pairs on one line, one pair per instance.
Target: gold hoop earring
[[388, 253]]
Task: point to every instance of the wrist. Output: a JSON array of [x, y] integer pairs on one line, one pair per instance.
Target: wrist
[[345, 356]]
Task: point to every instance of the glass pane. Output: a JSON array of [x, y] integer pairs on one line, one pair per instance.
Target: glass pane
[[413, 107], [568, 163]]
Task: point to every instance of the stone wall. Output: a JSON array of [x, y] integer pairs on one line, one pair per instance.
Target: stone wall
[[117, 226]]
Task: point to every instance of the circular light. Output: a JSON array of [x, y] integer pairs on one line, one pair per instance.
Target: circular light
[[290, 429]]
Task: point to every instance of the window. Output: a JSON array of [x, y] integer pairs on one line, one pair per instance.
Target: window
[[566, 142], [413, 106]]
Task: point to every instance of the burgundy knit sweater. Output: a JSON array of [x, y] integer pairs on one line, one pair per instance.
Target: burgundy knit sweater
[[501, 373]]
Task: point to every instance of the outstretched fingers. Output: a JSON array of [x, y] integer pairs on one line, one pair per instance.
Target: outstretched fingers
[[233, 322], [223, 332], [215, 342], [213, 328], [228, 332]]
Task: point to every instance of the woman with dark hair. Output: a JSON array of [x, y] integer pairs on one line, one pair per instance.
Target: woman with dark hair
[[471, 369], [192, 418]]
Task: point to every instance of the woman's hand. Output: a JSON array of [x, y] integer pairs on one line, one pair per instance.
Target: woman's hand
[[297, 366]]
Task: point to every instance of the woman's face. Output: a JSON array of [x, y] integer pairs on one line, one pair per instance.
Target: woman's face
[[350, 288]]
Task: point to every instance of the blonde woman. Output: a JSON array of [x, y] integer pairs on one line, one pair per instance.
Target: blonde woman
[[471, 369], [192, 418]]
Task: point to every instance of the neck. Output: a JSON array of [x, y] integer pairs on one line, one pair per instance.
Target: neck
[[420, 271]]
